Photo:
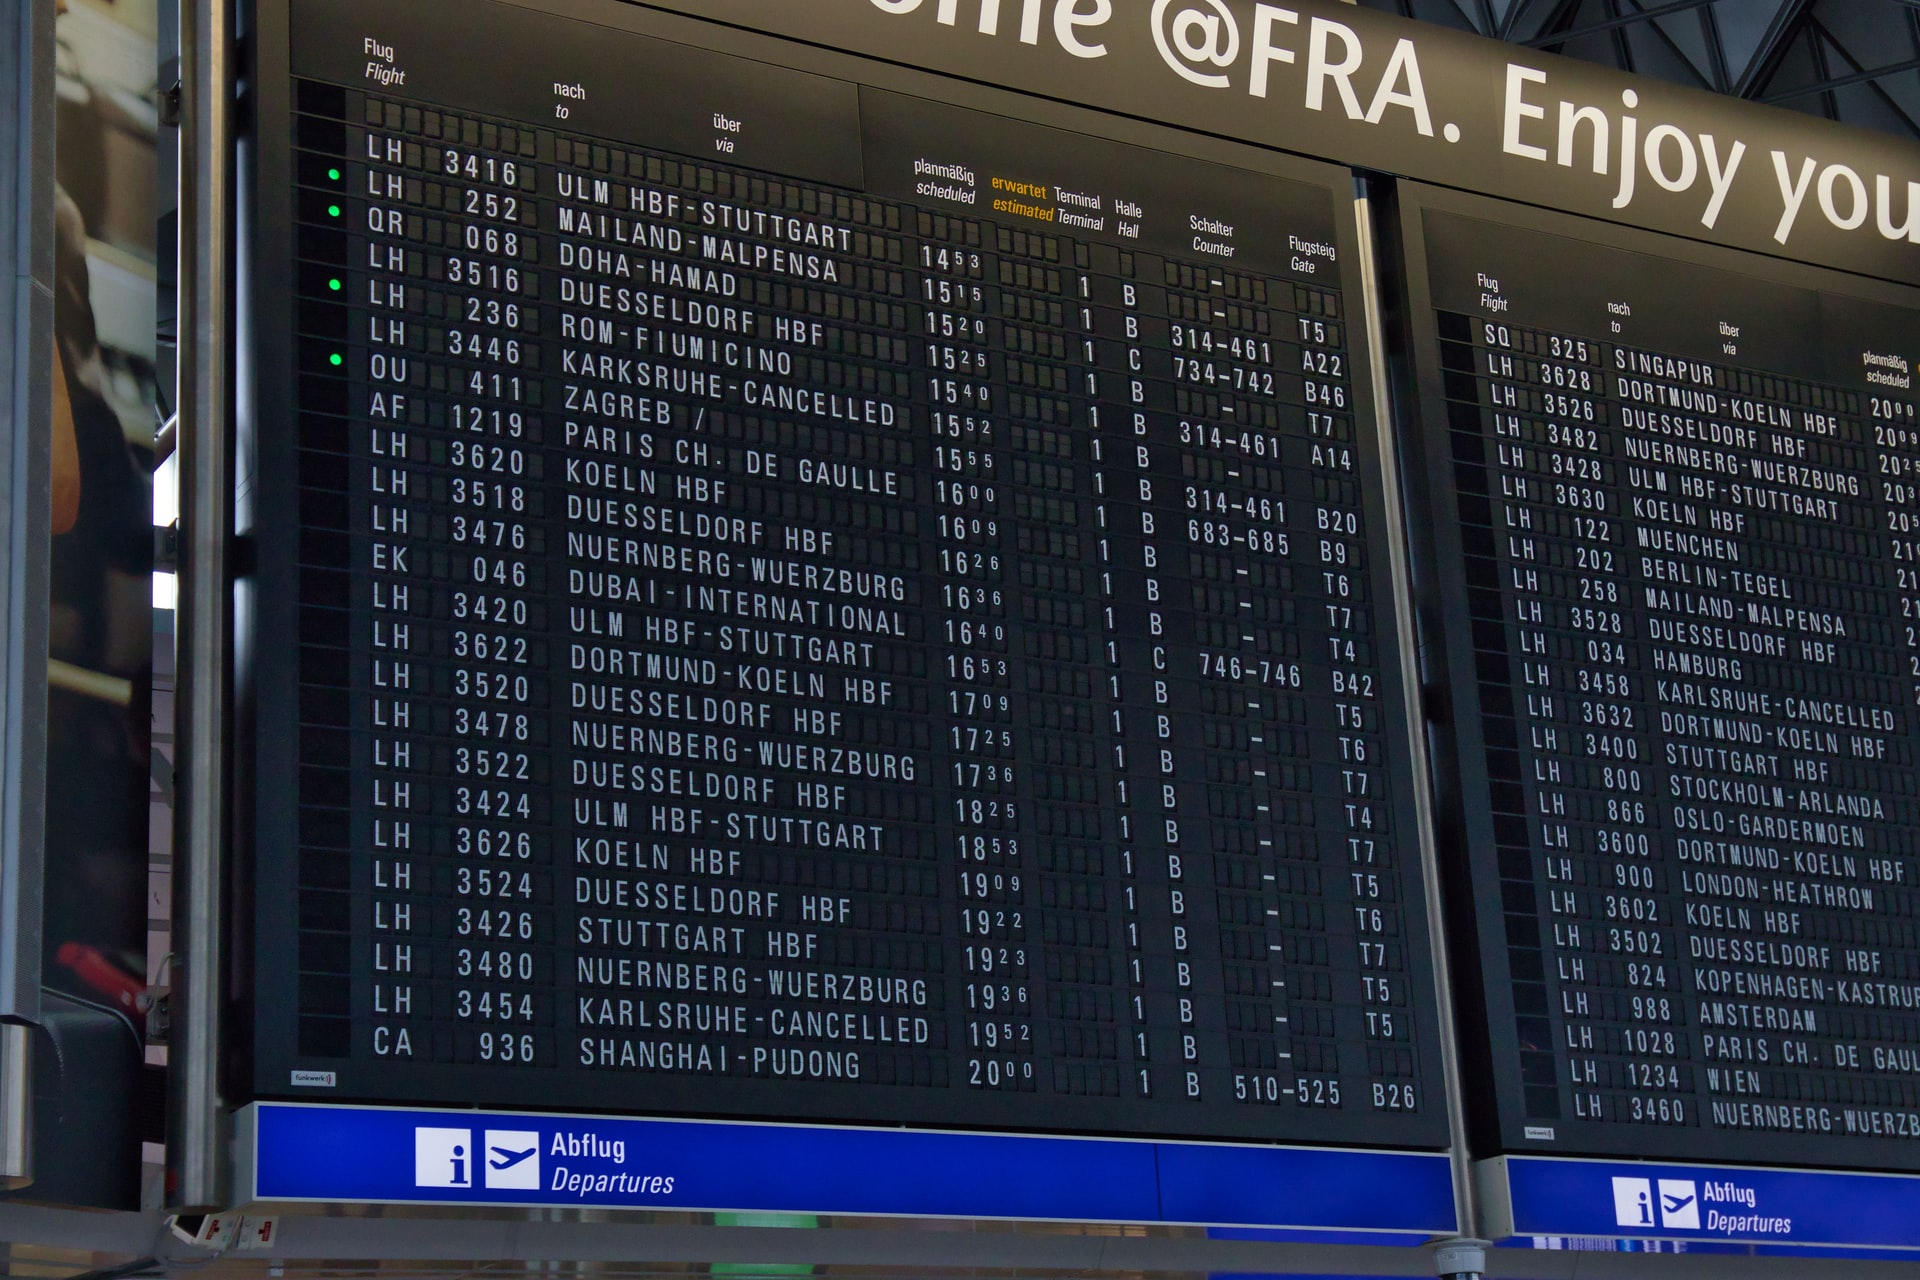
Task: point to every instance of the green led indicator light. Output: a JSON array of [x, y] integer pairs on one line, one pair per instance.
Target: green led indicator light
[[333, 174], [336, 359], [333, 211], [334, 285]]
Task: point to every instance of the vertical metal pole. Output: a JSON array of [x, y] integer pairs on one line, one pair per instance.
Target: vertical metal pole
[[16, 1105], [198, 1159], [1466, 1205], [26, 430]]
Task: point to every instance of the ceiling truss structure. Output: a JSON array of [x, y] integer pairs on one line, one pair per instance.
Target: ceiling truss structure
[[1854, 61]]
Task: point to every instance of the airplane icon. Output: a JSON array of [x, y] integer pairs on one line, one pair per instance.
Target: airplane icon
[[1679, 1204], [513, 1159]]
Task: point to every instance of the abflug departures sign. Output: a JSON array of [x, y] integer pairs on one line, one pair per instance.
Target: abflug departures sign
[[823, 606], [1676, 514], [1381, 92]]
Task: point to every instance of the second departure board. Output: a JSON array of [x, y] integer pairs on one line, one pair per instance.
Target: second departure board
[[1677, 518], [785, 598]]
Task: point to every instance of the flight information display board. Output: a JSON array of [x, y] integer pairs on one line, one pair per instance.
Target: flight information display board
[[782, 598], [1675, 496]]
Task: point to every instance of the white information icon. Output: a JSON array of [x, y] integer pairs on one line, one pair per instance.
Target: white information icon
[[1633, 1202], [443, 1157]]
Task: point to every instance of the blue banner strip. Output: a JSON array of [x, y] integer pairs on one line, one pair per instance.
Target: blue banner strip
[[367, 1154], [1553, 1197]]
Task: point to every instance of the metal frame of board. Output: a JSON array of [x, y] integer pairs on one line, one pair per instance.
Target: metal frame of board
[[26, 411], [1541, 1191], [270, 349], [1213, 1255]]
